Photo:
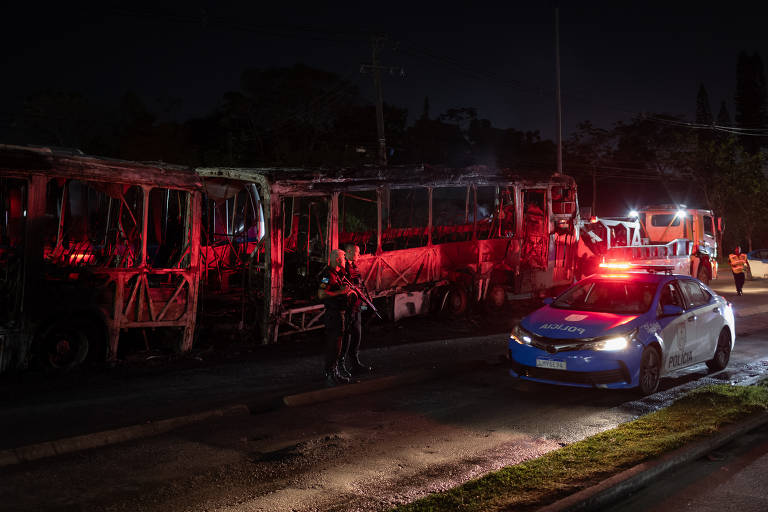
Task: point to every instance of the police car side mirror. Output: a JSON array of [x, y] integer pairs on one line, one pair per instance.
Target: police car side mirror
[[548, 300], [671, 310]]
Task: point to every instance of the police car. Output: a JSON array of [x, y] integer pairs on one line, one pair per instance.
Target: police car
[[625, 327]]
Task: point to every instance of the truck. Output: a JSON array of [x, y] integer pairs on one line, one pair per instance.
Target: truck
[[686, 238]]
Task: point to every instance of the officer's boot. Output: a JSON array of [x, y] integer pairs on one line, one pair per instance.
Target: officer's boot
[[340, 378], [330, 378], [358, 368], [342, 369]]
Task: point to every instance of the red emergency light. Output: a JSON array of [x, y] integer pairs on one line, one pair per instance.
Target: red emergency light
[[618, 266], [665, 269]]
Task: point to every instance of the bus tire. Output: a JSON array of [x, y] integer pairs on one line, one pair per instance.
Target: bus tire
[[496, 297], [64, 345], [455, 302]]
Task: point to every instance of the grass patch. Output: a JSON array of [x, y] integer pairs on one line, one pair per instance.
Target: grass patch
[[569, 469]]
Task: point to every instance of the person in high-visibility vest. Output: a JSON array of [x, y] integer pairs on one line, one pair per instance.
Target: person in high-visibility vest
[[738, 261]]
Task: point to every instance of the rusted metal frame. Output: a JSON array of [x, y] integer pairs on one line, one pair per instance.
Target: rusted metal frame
[[466, 204], [117, 234], [360, 198], [518, 209], [473, 188], [401, 275], [150, 304], [308, 318], [132, 324], [309, 235], [185, 250], [332, 240], [127, 207], [194, 214], [379, 199], [134, 292], [273, 278], [62, 215], [184, 281], [429, 216], [374, 266], [117, 316], [144, 225], [231, 246], [33, 246]]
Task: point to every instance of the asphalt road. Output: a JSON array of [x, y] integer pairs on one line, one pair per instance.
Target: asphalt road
[[366, 452]]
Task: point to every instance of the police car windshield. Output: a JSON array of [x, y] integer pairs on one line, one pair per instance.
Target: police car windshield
[[608, 296]]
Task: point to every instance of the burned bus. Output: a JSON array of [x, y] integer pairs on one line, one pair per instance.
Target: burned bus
[[91, 249], [100, 255], [431, 240]]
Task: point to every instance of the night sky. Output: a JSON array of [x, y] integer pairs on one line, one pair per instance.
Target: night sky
[[616, 60]]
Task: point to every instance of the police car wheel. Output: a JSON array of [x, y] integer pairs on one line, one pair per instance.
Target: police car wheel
[[722, 353], [650, 371]]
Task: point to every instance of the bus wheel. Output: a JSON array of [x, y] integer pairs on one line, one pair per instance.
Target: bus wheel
[[496, 297], [455, 303], [703, 275], [64, 346]]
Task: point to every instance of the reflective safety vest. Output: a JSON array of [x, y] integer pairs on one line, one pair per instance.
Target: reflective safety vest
[[737, 262]]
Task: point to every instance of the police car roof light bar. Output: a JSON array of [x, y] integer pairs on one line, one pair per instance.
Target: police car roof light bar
[[665, 269]]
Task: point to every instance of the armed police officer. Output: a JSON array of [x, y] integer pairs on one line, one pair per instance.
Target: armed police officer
[[333, 294], [350, 351]]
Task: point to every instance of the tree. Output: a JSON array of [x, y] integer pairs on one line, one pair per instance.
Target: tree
[[61, 118], [751, 108], [703, 114], [590, 148], [723, 116]]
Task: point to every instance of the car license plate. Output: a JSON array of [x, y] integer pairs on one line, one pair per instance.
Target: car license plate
[[550, 363]]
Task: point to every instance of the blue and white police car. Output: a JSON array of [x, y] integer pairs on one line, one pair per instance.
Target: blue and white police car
[[625, 327]]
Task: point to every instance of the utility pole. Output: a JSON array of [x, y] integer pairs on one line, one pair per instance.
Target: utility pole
[[594, 191], [376, 42], [379, 102], [557, 93]]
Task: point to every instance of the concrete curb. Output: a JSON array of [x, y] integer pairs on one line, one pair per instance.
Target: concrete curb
[[45, 449], [609, 490], [107, 437]]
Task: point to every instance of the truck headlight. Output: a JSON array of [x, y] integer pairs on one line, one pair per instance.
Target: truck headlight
[[521, 336]]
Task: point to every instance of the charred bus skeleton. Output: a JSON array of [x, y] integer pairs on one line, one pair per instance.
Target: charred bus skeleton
[[431, 239], [91, 248], [99, 254]]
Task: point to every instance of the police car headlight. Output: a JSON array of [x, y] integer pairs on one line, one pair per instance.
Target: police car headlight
[[521, 336], [617, 343]]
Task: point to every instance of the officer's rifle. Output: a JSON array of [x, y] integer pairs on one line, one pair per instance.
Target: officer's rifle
[[360, 294]]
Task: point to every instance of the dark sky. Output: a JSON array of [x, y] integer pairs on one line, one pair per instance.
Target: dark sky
[[616, 59]]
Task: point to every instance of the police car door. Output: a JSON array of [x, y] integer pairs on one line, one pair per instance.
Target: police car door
[[708, 320], [676, 331]]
